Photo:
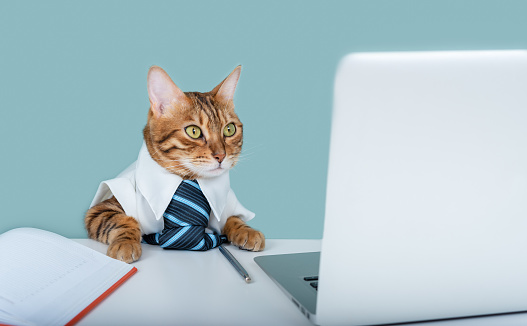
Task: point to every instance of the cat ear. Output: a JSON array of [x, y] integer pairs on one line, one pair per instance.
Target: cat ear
[[225, 90], [162, 91]]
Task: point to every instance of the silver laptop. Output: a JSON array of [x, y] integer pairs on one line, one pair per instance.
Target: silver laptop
[[426, 208]]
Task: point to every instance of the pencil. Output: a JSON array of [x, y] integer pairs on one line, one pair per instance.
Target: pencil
[[235, 263]]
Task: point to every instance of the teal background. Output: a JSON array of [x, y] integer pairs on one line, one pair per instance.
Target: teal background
[[74, 101]]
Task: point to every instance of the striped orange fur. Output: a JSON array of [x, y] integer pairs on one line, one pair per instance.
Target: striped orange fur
[[242, 235], [107, 223], [174, 149]]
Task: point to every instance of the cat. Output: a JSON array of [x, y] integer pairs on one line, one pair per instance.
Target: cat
[[192, 135]]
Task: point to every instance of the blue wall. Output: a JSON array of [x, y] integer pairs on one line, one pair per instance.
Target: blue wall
[[73, 90]]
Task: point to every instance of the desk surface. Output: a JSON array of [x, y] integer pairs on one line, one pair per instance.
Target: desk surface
[[169, 283], [199, 288]]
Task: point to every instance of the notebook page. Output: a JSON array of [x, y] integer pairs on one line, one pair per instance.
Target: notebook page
[[49, 279], [8, 319], [33, 266]]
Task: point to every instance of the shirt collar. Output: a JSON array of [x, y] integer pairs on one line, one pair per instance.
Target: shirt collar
[[157, 185]]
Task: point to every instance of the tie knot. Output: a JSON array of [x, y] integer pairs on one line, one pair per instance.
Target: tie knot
[[186, 218]]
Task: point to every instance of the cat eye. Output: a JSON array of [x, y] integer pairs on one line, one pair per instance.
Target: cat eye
[[229, 130], [193, 131]]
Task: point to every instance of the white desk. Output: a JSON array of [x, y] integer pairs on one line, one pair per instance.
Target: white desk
[[174, 287], [202, 288]]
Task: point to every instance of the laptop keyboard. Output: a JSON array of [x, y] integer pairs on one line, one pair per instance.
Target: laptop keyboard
[[313, 281]]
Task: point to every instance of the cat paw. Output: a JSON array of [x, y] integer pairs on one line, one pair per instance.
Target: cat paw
[[249, 239], [127, 251]]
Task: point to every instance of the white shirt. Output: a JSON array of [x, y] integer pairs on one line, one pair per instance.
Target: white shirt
[[145, 190]]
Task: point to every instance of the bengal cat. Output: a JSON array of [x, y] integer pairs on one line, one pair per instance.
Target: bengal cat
[[186, 133]]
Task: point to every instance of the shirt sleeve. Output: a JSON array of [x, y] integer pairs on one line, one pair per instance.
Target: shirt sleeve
[[232, 208], [235, 208], [122, 189]]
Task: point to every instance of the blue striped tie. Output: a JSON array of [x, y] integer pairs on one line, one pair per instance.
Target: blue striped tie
[[186, 218]]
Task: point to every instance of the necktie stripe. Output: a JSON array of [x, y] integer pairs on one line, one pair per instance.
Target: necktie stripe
[[191, 204], [173, 237], [213, 237], [186, 218], [175, 220], [182, 238], [189, 215], [195, 198], [192, 189], [181, 209], [193, 184], [189, 239], [199, 245]]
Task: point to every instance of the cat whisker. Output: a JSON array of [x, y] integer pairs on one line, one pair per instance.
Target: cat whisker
[[247, 152], [244, 157], [181, 164]]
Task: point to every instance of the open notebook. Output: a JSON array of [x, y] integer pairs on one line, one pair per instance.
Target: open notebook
[[46, 279]]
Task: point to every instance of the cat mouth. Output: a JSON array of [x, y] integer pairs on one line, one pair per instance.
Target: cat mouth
[[213, 173], [217, 170]]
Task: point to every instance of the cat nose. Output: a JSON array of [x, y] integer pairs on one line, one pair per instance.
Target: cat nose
[[219, 157]]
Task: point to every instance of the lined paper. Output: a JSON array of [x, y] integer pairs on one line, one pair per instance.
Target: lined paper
[[47, 279]]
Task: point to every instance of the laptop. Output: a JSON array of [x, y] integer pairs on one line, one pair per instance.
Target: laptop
[[426, 207]]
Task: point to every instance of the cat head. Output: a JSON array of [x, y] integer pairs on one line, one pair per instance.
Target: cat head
[[192, 134]]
